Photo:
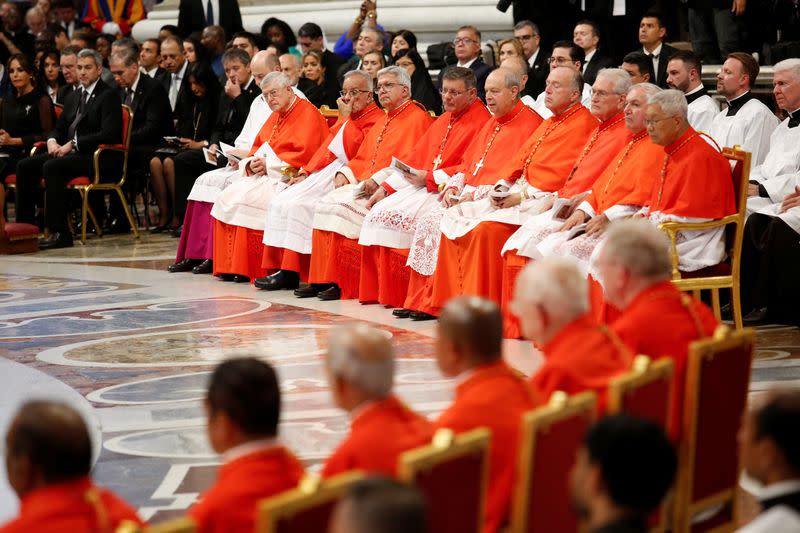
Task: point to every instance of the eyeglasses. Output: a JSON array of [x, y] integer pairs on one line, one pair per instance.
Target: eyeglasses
[[603, 94], [526, 37], [463, 40], [451, 92], [273, 93], [386, 86], [653, 121], [353, 93], [558, 60]]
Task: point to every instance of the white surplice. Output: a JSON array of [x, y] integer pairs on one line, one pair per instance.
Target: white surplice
[[750, 128]]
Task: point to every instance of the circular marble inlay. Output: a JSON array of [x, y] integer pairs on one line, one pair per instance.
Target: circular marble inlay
[[194, 347]]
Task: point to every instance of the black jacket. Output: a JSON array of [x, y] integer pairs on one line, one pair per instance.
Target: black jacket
[[152, 116], [185, 95], [537, 76], [232, 114], [63, 92], [101, 122], [599, 61], [192, 17], [663, 59]]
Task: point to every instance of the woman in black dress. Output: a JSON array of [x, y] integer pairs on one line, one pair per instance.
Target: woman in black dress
[[422, 88], [319, 88], [26, 115], [195, 121]]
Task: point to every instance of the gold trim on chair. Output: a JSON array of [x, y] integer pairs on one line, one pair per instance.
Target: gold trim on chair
[[327, 112], [310, 492], [560, 407], [715, 283], [177, 525], [724, 339], [446, 446], [643, 372]]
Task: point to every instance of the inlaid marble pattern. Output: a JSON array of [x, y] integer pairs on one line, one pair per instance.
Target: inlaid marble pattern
[[135, 345]]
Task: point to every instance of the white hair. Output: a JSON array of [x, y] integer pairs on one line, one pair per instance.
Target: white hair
[[620, 79], [557, 284], [649, 89], [640, 247], [791, 65], [400, 74], [510, 78], [672, 102], [278, 79], [295, 59], [363, 74], [363, 357]]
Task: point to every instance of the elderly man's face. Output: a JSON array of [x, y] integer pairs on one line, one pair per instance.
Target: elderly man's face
[[172, 57], [391, 93], [467, 45], [290, 67], [124, 75], [278, 98], [605, 102], [786, 89], [662, 128], [69, 68], [36, 23], [559, 93], [368, 40], [499, 98], [356, 93], [635, 106]]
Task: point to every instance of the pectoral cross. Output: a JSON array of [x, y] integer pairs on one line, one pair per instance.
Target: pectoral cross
[[478, 167], [437, 162]]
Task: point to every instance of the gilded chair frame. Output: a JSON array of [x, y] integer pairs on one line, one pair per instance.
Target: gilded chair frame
[[723, 339], [715, 283], [310, 492], [560, 407], [115, 186], [177, 525], [445, 446], [327, 112]]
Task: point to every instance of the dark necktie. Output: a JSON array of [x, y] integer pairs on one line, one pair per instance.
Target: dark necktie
[[794, 119], [128, 97], [81, 108], [209, 13]]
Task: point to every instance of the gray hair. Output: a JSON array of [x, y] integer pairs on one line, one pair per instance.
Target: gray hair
[[649, 89], [640, 247], [126, 56], [363, 357], [557, 284], [618, 77], [527, 24], [381, 35], [400, 74], [791, 65], [278, 79], [510, 78], [575, 79], [672, 102], [364, 75], [94, 54]]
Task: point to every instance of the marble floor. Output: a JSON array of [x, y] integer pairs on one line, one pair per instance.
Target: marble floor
[[106, 328]]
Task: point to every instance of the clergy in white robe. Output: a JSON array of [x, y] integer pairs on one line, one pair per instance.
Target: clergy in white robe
[[684, 72]]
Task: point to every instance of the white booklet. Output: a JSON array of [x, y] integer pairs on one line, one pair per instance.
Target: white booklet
[[211, 158], [576, 231], [564, 207], [403, 167], [501, 190], [228, 151]]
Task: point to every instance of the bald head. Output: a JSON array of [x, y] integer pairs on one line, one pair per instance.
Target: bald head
[[46, 443], [474, 328], [517, 65], [266, 61], [363, 357], [502, 91]]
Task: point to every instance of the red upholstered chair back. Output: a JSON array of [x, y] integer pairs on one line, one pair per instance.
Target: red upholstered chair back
[[127, 124], [307, 508], [551, 436], [717, 383], [452, 475], [645, 391]]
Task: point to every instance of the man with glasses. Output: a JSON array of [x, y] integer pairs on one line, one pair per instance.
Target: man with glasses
[[570, 55], [527, 33], [407, 197], [339, 215], [287, 240], [369, 39], [468, 51]]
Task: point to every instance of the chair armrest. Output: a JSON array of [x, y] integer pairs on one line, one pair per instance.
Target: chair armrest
[[119, 147], [672, 229], [36, 146], [106, 148]]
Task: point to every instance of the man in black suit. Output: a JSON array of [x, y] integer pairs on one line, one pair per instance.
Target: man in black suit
[[69, 69], [468, 50], [309, 37], [194, 15], [174, 78], [527, 33], [150, 58], [652, 31], [234, 106], [91, 117], [587, 36], [67, 17]]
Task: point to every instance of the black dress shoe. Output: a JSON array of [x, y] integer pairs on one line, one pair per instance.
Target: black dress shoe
[[160, 229], [118, 226], [756, 317], [311, 290], [401, 313], [238, 278], [227, 277], [206, 267], [282, 279], [330, 294], [185, 265], [176, 231], [56, 240], [419, 316]]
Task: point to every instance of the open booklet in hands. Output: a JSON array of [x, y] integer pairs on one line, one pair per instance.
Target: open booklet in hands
[[564, 207], [501, 189], [226, 149]]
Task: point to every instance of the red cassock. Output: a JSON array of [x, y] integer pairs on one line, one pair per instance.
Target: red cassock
[[661, 322], [294, 136], [229, 506], [582, 356], [378, 435], [472, 264], [484, 160], [384, 274], [355, 128], [76, 506], [493, 396], [336, 258]]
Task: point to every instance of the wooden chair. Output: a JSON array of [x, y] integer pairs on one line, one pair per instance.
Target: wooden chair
[[726, 274], [84, 185], [177, 525], [307, 508], [550, 438], [15, 237], [331, 115], [717, 383], [646, 392], [452, 473]]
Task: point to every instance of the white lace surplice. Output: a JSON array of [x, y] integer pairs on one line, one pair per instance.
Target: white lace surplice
[[392, 222]]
